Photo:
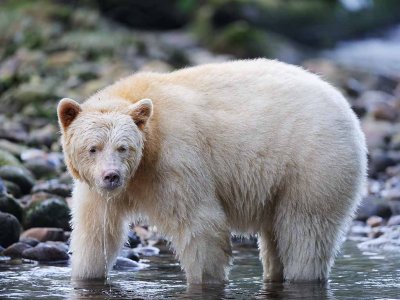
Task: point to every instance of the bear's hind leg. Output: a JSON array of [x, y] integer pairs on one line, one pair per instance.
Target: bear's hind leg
[[272, 266], [307, 240]]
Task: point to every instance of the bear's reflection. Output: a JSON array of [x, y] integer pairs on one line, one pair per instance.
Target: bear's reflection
[[99, 289]]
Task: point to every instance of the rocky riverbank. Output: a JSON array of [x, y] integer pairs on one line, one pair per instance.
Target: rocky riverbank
[[55, 51]]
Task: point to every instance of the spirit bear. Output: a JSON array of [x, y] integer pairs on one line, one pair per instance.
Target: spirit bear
[[250, 147]]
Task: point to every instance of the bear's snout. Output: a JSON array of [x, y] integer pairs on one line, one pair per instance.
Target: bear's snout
[[111, 179]]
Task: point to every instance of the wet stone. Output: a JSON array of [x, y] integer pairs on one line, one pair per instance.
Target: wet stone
[[41, 168], [52, 212], [133, 239], [53, 187], [46, 253], [373, 206], [20, 176], [147, 251], [12, 188], [16, 249], [7, 159], [129, 253], [30, 241], [43, 234], [9, 205], [123, 263], [10, 229]]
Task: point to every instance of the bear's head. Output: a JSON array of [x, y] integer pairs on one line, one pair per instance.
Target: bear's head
[[103, 147]]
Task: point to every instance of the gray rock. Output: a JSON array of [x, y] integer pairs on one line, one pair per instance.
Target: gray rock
[[16, 249], [13, 188], [395, 207], [20, 176], [44, 136], [13, 148], [129, 253], [30, 241], [8, 204], [394, 220], [3, 188], [53, 187], [45, 253], [379, 162], [41, 168], [373, 206], [147, 251], [7, 159], [10, 229], [123, 263], [51, 212]]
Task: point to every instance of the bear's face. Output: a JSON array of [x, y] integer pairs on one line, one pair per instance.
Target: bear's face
[[103, 149]]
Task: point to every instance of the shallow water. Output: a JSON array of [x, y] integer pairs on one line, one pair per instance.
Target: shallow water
[[356, 275]]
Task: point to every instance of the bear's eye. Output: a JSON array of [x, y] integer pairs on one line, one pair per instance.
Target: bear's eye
[[92, 150], [122, 149]]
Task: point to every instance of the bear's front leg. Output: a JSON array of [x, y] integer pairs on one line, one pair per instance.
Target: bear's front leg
[[206, 255], [98, 230]]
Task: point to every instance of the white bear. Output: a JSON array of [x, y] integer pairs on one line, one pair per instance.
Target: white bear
[[250, 147]]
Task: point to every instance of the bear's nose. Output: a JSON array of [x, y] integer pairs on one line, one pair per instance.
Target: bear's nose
[[111, 177]]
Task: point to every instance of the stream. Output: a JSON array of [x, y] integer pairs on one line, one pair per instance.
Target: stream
[[356, 275]]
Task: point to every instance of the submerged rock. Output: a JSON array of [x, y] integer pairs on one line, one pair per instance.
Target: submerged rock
[[45, 252], [52, 212], [10, 229], [126, 264]]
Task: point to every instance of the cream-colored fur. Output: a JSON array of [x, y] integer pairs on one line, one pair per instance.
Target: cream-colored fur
[[253, 146]]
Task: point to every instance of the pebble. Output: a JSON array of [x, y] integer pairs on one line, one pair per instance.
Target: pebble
[[374, 221], [10, 229], [45, 252], [16, 249], [44, 234]]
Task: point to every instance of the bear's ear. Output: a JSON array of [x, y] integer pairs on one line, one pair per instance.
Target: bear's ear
[[67, 111], [141, 112]]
